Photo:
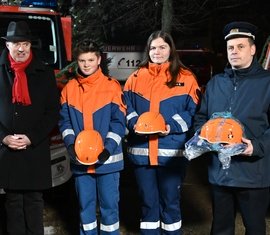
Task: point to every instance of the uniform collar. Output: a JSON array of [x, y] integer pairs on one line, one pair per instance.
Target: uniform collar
[[242, 73], [91, 79], [156, 69]]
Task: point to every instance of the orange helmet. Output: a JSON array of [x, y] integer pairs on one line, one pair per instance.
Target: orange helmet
[[88, 145], [150, 123], [222, 130]]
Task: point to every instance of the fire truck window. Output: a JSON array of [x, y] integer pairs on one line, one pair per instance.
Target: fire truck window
[[43, 43]]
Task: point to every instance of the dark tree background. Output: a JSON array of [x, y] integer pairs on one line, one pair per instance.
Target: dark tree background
[[192, 23]]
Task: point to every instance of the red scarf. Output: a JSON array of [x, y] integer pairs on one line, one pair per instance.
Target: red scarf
[[20, 92]]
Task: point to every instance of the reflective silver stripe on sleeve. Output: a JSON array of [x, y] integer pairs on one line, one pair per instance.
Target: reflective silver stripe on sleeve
[[150, 225], [109, 228], [115, 158], [115, 137], [90, 226], [131, 115], [67, 132], [181, 122], [171, 227], [161, 152]]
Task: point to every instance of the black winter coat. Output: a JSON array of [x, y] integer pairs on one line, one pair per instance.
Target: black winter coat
[[28, 169], [246, 94]]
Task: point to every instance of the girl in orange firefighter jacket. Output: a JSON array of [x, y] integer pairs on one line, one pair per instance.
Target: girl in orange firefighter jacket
[[93, 101], [161, 85]]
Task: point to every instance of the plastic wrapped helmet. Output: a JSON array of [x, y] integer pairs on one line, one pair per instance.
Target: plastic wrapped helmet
[[88, 145], [150, 123], [222, 130]]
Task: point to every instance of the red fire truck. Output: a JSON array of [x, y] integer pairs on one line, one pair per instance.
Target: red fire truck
[[54, 46]]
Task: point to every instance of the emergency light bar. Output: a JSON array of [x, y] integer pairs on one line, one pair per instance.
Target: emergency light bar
[[44, 4]]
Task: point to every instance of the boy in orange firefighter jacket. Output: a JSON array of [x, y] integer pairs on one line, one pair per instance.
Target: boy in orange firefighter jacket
[[93, 101], [161, 85]]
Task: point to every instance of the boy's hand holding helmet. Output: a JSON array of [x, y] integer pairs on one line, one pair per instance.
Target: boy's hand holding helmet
[[104, 155], [72, 154]]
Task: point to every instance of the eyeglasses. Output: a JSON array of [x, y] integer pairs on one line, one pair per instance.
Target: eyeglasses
[[18, 45]]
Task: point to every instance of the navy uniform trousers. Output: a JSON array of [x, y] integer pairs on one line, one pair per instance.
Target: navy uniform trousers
[[252, 204]]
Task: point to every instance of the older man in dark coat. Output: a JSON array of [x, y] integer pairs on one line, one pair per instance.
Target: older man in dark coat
[[29, 106]]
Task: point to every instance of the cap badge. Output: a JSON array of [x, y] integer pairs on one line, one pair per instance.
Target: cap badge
[[234, 30]]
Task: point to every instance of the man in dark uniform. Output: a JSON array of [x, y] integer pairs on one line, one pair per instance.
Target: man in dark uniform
[[29, 105], [244, 91]]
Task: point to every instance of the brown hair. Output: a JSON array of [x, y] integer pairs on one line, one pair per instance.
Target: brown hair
[[88, 45], [175, 63], [85, 46]]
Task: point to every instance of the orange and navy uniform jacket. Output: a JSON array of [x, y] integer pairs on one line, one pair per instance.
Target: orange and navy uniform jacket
[[94, 102], [146, 90]]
